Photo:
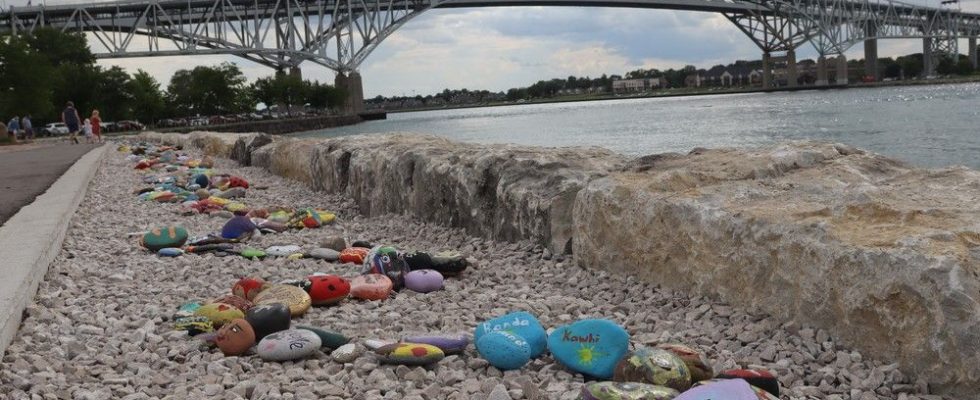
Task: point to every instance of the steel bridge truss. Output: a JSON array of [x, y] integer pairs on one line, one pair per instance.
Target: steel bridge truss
[[340, 34]]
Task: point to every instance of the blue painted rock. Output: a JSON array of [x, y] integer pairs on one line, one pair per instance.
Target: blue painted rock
[[327, 289], [283, 251], [504, 349], [727, 389], [759, 378], [288, 345], [521, 324], [325, 254], [654, 366], [626, 391], [170, 252], [449, 263], [592, 347], [387, 261], [293, 297], [187, 309], [201, 180], [409, 354], [424, 281], [454, 344], [696, 362], [219, 313], [194, 326], [267, 319], [235, 338], [161, 238], [370, 287], [237, 227], [328, 339]]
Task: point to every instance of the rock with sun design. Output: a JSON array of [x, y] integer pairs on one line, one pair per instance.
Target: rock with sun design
[[409, 354], [626, 391], [520, 323], [591, 347], [654, 366]]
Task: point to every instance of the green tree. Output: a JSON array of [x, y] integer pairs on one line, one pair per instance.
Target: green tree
[[323, 96], [25, 87], [148, 101], [113, 97], [946, 66], [207, 90], [964, 67]]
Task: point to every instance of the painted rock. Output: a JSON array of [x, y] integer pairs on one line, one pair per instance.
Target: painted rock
[[248, 287], [626, 391], [272, 226], [728, 389], [161, 238], [235, 338], [328, 289], [521, 324], [253, 253], [293, 297], [504, 349], [370, 287], [170, 252], [409, 354], [236, 301], [267, 319], [202, 194], [387, 261], [654, 366], [364, 244], [239, 209], [449, 263], [325, 254], [288, 345], [336, 243], [697, 364], [201, 180], [374, 344], [301, 283], [346, 353], [194, 326], [237, 227], [418, 260], [328, 339], [424, 280], [283, 251], [187, 310], [354, 255], [759, 378], [219, 313], [448, 344], [592, 347], [232, 193]]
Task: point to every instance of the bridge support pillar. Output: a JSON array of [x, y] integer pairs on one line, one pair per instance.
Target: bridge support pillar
[[822, 72], [842, 78], [352, 86], [973, 52], [766, 70], [871, 53], [295, 72], [791, 74], [928, 58]]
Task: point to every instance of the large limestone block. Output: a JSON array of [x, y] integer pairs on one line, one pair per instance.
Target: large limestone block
[[883, 255], [290, 158], [246, 145]]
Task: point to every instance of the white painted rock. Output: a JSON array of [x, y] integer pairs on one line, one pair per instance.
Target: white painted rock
[[288, 345], [374, 344], [282, 251], [346, 353], [325, 254]]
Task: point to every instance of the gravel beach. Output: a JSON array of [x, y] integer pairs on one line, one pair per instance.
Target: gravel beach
[[101, 325]]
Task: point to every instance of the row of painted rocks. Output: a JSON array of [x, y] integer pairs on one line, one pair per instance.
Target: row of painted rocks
[[600, 349]]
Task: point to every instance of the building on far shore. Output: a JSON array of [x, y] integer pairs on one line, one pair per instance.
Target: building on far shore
[[637, 85]]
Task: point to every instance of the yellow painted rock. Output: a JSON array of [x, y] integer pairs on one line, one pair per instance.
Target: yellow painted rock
[[293, 297], [219, 313]]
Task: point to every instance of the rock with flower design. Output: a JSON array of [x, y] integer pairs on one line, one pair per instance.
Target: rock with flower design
[[409, 354], [626, 391], [591, 347], [654, 366], [449, 344]]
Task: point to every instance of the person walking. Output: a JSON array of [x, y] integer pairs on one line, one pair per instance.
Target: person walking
[[12, 127], [96, 125], [71, 119], [87, 130], [28, 127]]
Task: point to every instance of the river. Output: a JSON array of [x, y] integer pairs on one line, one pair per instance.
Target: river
[[930, 126]]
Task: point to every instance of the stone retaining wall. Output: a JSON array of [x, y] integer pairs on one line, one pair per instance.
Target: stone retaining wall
[[884, 256]]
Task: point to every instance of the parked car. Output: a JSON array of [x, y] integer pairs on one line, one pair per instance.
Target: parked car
[[54, 129], [127, 125], [107, 126]]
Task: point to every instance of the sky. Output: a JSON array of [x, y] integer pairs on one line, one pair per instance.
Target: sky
[[500, 48]]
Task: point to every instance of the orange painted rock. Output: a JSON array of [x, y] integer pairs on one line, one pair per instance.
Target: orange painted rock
[[370, 287], [328, 289], [235, 337], [409, 354], [354, 255], [248, 287]]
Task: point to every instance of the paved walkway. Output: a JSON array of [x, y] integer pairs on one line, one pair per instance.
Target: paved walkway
[[28, 170]]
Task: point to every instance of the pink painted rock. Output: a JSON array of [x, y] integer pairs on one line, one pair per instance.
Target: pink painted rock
[[370, 287]]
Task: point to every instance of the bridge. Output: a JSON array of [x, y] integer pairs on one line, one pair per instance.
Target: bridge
[[340, 34]]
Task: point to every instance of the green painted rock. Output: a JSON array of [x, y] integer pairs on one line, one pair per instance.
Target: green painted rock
[[653, 366], [626, 391], [249, 252], [161, 238], [330, 339], [696, 362]]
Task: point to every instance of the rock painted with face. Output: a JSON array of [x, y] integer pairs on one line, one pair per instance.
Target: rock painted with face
[[387, 261], [235, 337]]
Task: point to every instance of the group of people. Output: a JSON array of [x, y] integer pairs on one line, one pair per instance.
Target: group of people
[[91, 127], [17, 125]]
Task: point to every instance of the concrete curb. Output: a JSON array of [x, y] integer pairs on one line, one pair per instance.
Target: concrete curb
[[30, 240]]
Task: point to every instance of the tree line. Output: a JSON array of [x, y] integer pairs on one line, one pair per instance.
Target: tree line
[[41, 72]]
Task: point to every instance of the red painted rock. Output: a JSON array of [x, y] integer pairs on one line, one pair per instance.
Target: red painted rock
[[248, 287], [233, 300], [370, 287], [354, 255], [328, 289], [235, 337]]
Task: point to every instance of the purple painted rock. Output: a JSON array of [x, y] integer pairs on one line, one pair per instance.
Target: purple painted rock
[[728, 389], [424, 281], [237, 227], [448, 344]]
